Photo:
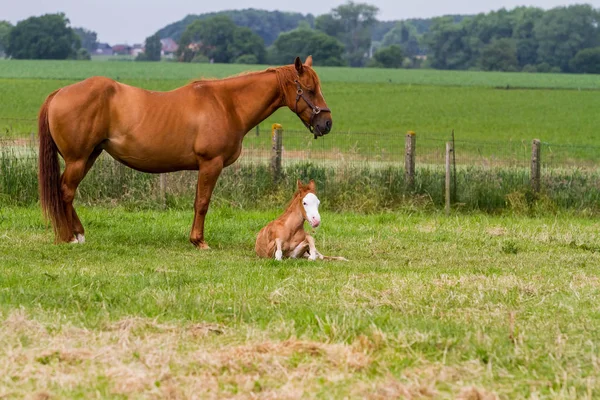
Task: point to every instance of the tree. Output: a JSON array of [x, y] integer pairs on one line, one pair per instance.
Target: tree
[[83, 54], [152, 48], [267, 24], [351, 23], [247, 43], [5, 28], [500, 55], [587, 61], [526, 43], [325, 49], [219, 39], [88, 39], [564, 31], [405, 35], [45, 37], [389, 57], [448, 48], [247, 59]]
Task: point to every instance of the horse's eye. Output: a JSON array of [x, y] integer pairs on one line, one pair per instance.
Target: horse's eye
[[304, 203]]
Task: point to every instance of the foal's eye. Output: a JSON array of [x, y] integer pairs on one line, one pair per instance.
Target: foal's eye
[[304, 203]]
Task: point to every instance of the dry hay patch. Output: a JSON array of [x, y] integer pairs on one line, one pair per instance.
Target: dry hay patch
[[142, 358]]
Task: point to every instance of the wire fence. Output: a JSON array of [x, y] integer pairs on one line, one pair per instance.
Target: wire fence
[[375, 149], [388, 149], [484, 172]]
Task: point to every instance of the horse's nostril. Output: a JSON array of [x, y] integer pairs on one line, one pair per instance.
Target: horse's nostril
[[328, 124]]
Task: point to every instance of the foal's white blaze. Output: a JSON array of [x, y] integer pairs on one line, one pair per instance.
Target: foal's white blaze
[[311, 206]]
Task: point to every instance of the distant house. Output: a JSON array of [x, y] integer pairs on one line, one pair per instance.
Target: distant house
[[169, 47], [136, 49], [103, 49], [121, 49]]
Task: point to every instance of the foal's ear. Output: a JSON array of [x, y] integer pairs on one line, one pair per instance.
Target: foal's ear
[[311, 185], [308, 61], [298, 65], [299, 184]]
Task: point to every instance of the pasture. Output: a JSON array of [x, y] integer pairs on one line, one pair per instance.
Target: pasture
[[476, 305], [428, 306], [432, 103]]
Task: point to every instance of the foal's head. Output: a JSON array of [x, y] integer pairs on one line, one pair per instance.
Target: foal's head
[[303, 95], [308, 203]]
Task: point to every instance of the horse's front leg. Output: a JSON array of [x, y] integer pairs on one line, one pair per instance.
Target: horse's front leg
[[208, 174], [314, 253], [279, 251]]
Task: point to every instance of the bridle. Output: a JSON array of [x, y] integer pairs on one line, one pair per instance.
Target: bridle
[[316, 110]]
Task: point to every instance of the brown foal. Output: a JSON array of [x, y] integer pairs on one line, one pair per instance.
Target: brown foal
[[285, 237], [199, 126]]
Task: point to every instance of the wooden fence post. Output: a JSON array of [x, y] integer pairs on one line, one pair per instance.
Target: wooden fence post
[[163, 189], [409, 159], [276, 144], [449, 151], [454, 184], [536, 164]]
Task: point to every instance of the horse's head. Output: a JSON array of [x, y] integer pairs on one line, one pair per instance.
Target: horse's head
[[309, 203], [303, 96]]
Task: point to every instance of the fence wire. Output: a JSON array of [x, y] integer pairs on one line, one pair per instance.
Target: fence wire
[[386, 150], [485, 173]]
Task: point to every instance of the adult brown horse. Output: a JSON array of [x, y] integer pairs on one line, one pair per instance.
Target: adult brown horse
[[199, 126]]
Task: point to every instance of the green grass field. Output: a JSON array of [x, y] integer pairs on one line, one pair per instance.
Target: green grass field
[[470, 306], [75, 70], [432, 103], [428, 306]]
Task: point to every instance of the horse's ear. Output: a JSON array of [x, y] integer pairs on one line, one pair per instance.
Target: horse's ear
[[308, 61], [299, 184], [298, 65], [311, 185]]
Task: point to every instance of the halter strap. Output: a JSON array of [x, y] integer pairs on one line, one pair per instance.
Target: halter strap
[[316, 110]]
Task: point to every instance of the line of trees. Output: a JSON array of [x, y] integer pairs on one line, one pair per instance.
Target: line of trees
[[342, 37], [46, 37], [563, 39], [219, 39]]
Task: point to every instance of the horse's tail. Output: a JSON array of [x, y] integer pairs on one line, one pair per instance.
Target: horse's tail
[[49, 175]]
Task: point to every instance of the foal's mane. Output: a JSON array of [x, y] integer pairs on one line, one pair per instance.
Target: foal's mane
[[297, 195]]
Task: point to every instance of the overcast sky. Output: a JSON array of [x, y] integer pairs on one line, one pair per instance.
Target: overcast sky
[[131, 21]]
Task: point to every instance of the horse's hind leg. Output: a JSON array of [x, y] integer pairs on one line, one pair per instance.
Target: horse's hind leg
[[78, 230], [72, 176], [300, 250]]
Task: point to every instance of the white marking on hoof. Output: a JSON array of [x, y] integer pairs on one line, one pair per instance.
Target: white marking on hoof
[[80, 238], [278, 255], [312, 257], [74, 241]]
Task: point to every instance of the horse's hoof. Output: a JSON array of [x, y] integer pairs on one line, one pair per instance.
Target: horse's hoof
[[203, 246], [80, 238], [74, 241]]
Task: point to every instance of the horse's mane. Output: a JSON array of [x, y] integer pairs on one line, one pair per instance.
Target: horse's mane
[[243, 73], [297, 194], [285, 73]]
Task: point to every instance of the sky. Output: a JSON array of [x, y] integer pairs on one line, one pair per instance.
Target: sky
[[131, 21]]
